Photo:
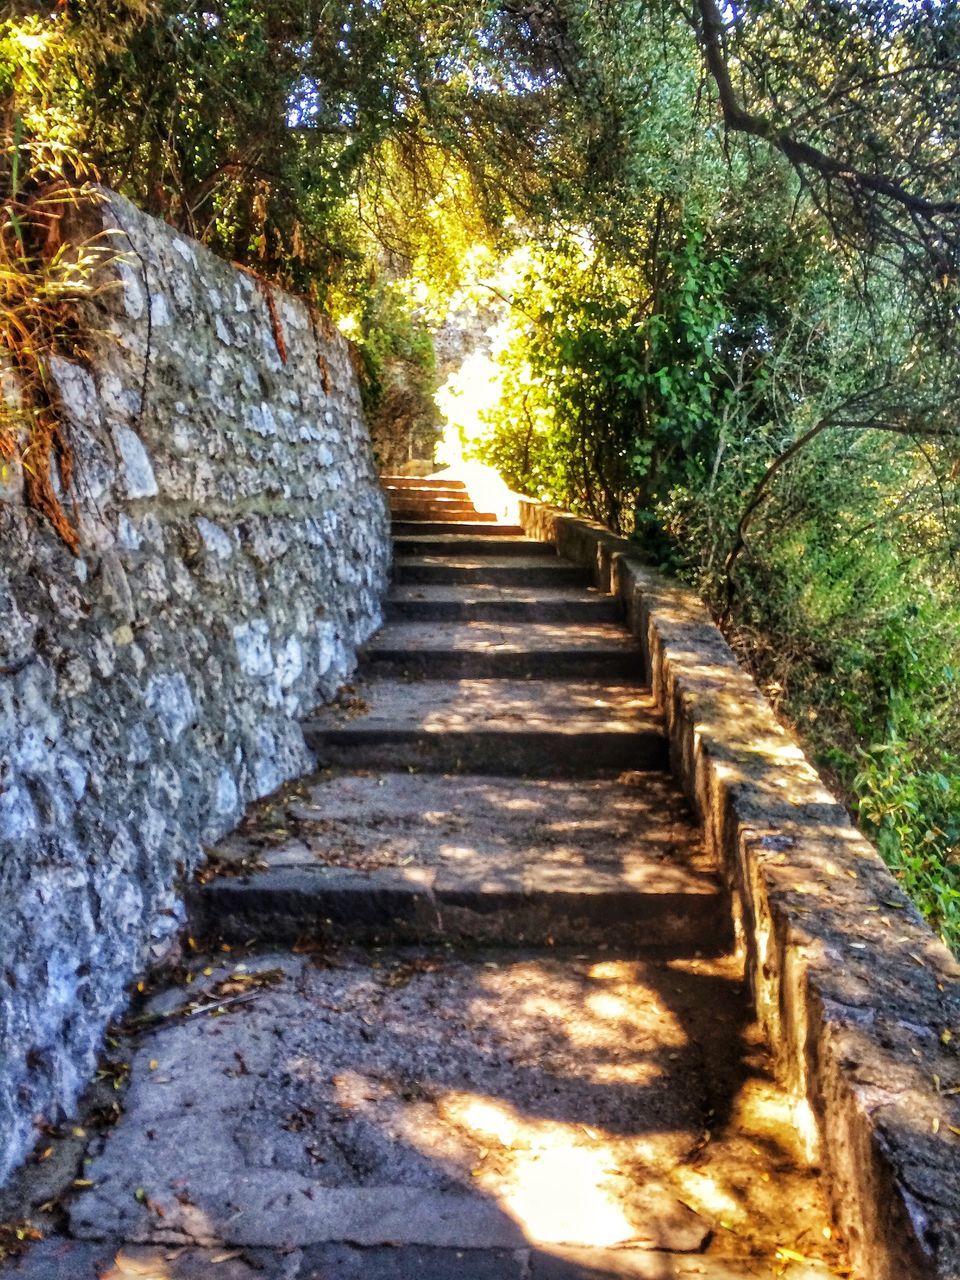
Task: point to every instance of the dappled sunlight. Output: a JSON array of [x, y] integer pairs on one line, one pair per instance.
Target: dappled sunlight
[[706, 1193], [754, 1175], [127, 1267], [468, 634], [556, 1102], [561, 1182], [521, 804], [512, 703], [571, 837], [613, 1024], [609, 1007]]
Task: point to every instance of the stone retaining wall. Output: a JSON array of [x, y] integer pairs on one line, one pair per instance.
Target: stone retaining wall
[[859, 1000], [234, 549]]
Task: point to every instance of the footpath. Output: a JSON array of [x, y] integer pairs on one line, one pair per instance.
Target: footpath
[[463, 1005]]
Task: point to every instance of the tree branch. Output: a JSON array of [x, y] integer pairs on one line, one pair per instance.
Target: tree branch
[[799, 153], [756, 498], [759, 493]]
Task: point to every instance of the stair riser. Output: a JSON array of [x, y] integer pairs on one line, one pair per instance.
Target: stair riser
[[507, 753], [457, 664], [415, 482], [439, 510], [419, 528], [466, 546], [460, 503], [280, 913], [588, 612], [429, 490], [404, 500], [467, 516], [552, 574]]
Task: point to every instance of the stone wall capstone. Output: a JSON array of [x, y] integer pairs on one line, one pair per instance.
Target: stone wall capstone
[[234, 551]]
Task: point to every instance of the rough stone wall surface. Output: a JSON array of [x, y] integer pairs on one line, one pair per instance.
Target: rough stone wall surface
[[234, 549]]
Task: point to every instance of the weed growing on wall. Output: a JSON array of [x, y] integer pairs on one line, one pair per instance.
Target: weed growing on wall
[[44, 176]]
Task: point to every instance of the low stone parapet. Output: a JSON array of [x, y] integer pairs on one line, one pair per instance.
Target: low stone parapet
[[858, 999]]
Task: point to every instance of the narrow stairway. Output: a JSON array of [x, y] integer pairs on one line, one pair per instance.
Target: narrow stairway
[[463, 1004]]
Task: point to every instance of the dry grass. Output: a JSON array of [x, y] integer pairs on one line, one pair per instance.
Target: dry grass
[[42, 278]]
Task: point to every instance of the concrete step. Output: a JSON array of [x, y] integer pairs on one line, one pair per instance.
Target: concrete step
[[474, 607], [489, 602], [457, 544], [490, 529], [431, 859], [423, 511], [431, 501], [434, 497], [505, 1101], [551, 594], [510, 650], [422, 482], [543, 728], [532, 572], [56, 1258], [414, 1115]]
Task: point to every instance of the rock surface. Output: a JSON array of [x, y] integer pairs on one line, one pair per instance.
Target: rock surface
[[234, 546]]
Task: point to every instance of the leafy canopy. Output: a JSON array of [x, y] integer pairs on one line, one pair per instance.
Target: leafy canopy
[[736, 331]]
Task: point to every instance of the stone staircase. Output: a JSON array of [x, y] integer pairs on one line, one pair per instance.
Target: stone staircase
[[418, 505], [525, 796], [463, 1003]]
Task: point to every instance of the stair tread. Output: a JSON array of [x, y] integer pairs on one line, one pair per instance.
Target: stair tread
[[453, 513], [473, 591], [437, 489], [422, 482], [514, 637], [482, 562], [630, 835], [348, 1103], [452, 541], [406, 511], [431, 497], [407, 528], [559, 707]]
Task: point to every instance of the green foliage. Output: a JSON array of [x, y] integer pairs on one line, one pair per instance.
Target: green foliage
[[285, 134], [736, 335], [615, 395], [851, 639], [908, 798], [771, 415], [397, 375]]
